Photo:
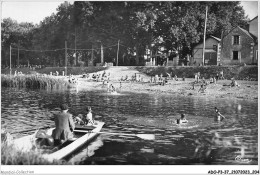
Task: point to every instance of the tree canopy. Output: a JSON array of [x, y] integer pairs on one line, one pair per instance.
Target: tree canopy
[[135, 25]]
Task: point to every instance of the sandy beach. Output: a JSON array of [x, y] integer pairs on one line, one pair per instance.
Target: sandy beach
[[245, 90]]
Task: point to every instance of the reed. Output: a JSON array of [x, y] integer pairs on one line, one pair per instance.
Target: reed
[[215, 148], [32, 81], [11, 156]]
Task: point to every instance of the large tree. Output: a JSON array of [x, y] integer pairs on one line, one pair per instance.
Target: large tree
[[137, 25]]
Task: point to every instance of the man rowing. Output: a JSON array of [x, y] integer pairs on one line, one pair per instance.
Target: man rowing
[[64, 126]]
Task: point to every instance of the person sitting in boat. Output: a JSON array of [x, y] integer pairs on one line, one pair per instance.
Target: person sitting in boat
[[218, 117], [85, 120], [182, 119], [64, 126]]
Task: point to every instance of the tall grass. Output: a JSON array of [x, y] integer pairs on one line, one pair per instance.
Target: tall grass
[[48, 70], [11, 156], [32, 81]]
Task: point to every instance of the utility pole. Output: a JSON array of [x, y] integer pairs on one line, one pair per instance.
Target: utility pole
[[117, 53], [10, 60], [18, 55], [101, 53], [92, 53], [65, 57], [204, 37], [75, 47]]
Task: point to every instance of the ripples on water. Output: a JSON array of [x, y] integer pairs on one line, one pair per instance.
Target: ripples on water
[[139, 113]]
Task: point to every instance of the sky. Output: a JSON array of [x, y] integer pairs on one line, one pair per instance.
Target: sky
[[28, 11]]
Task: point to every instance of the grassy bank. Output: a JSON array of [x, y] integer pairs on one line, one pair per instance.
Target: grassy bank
[[48, 70], [238, 72], [32, 81], [11, 156]]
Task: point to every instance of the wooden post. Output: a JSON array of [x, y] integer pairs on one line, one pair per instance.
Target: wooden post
[[18, 61], [76, 49], [10, 59], [101, 54], [65, 58], [204, 37], [117, 53], [92, 53]]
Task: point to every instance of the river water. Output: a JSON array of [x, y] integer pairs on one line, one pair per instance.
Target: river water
[[200, 141]]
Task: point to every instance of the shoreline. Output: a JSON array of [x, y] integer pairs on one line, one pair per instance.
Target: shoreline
[[247, 90]]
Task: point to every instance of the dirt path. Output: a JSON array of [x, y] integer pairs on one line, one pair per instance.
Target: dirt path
[[246, 90]]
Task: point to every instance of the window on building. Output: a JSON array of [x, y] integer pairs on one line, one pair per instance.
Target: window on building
[[215, 47], [236, 40], [235, 55]]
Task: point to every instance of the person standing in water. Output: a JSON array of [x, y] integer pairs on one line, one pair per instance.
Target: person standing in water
[[182, 119], [218, 117]]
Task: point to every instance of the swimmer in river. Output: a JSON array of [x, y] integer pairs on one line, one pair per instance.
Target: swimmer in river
[[218, 117], [182, 119]]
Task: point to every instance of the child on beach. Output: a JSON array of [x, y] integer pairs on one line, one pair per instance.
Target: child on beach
[[202, 88], [182, 119], [221, 75], [218, 117], [233, 83]]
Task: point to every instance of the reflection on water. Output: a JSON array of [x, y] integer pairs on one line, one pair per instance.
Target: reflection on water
[[142, 113]]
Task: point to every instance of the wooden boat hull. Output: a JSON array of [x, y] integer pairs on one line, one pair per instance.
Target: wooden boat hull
[[67, 150], [28, 143]]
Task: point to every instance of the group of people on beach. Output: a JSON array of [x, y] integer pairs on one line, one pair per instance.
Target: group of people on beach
[[212, 80], [133, 78], [72, 79]]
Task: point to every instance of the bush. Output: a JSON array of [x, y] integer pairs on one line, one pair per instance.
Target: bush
[[32, 81], [11, 156]]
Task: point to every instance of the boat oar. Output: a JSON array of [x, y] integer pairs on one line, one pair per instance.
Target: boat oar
[[142, 136], [30, 130]]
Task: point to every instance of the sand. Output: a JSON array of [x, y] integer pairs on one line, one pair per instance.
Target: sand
[[246, 89]]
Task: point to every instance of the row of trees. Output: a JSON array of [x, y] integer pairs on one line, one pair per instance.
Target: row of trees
[[136, 26]]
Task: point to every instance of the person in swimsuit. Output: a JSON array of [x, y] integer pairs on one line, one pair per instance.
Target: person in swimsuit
[[182, 119], [218, 117]]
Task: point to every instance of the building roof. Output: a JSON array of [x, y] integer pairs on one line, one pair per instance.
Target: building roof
[[218, 39], [246, 32], [253, 19], [243, 30]]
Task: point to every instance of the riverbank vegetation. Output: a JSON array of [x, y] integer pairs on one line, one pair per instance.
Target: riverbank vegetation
[[237, 72], [48, 70], [11, 156], [32, 81]]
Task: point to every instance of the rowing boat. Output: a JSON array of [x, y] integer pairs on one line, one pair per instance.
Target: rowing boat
[[82, 136]]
